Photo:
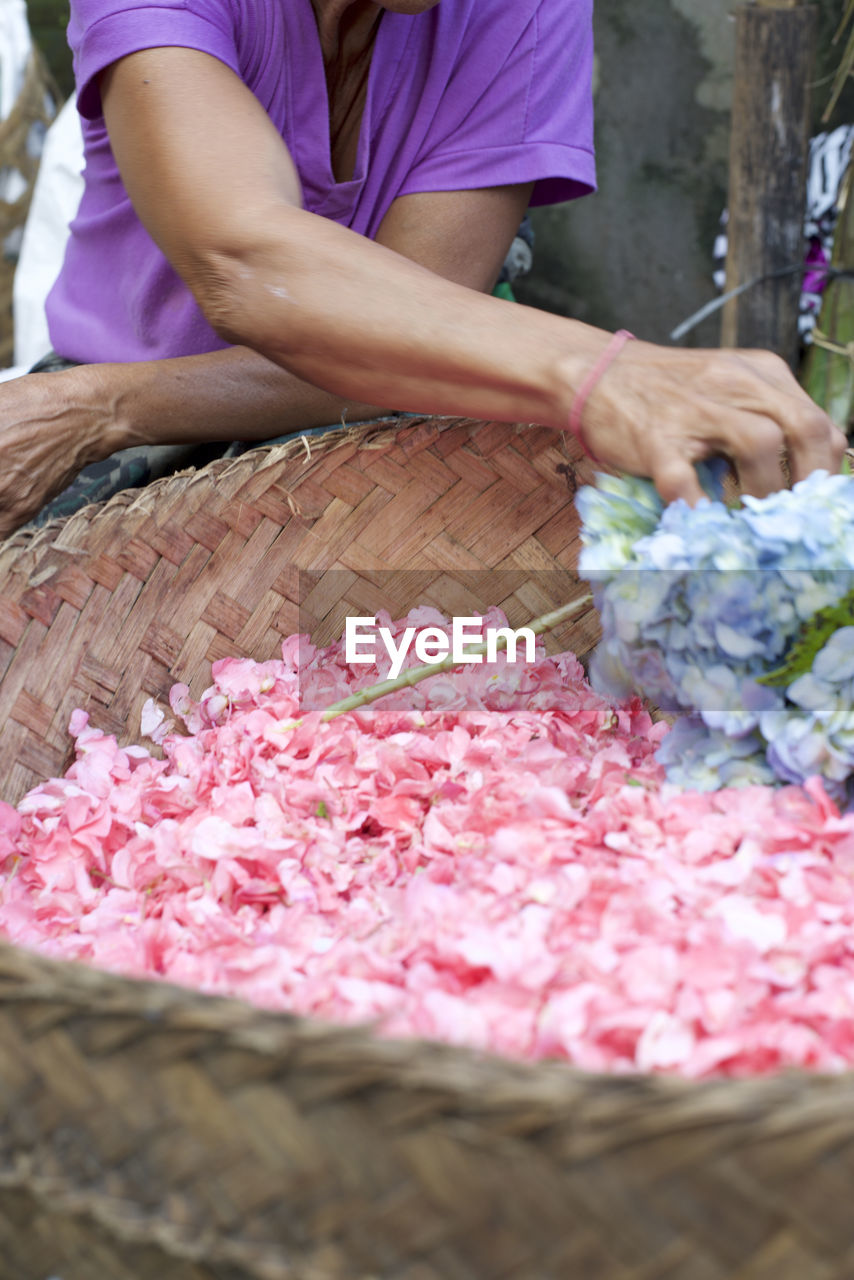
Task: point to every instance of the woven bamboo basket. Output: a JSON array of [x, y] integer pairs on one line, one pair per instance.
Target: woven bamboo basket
[[117, 603], [152, 1133]]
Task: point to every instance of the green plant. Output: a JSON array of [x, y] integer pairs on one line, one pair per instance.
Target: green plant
[[846, 65]]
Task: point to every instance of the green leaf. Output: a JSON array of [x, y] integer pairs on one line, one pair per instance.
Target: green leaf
[[321, 811], [812, 638]]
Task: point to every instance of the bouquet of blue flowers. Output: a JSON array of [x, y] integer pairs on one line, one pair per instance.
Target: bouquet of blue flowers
[[739, 618]]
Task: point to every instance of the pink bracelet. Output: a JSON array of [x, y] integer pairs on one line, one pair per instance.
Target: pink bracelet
[[608, 356]]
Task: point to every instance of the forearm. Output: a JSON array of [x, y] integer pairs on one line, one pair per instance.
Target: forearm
[[386, 330], [233, 394], [54, 424], [334, 308]]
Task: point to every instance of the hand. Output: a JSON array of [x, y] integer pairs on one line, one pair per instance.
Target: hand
[[656, 411], [51, 426], [54, 424]]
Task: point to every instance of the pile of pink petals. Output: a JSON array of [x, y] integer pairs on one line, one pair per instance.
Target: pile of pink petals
[[491, 859]]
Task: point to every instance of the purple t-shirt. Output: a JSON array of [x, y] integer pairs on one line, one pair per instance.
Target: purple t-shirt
[[469, 94]]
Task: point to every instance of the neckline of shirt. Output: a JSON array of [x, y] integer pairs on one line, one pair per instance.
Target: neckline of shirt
[[309, 105]]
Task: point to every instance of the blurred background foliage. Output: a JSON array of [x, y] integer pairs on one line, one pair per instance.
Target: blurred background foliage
[[48, 20], [846, 63]]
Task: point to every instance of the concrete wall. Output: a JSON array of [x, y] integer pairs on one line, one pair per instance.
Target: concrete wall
[[637, 254]]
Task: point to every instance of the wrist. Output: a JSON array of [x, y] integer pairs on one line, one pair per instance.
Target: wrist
[[583, 349], [104, 403], [588, 386]]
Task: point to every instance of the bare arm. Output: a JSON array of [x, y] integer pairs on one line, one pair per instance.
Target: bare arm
[[337, 310], [362, 321], [236, 394], [52, 425]]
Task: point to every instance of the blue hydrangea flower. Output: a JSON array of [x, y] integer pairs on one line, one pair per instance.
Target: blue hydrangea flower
[[698, 603]]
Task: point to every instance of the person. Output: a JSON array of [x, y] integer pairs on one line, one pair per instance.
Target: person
[[294, 212]]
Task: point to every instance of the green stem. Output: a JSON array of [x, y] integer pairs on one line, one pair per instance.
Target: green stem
[[414, 675]]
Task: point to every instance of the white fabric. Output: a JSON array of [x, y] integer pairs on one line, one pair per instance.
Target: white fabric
[[15, 46], [58, 188], [55, 198], [829, 157]]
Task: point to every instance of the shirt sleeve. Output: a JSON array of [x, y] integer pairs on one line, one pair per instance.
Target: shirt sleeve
[[102, 31], [518, 106]]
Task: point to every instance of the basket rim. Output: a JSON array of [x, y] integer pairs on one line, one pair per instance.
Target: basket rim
[[64, 533], [618, 1108]]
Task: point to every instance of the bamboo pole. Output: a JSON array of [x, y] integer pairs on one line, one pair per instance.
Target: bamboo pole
[[828, 371], [775, 42]]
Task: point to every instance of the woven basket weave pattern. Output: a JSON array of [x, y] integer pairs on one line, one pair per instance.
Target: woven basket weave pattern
[[152, 1133], [119, 602]]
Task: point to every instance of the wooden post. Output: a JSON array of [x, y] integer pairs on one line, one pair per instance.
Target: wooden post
[[775, 43]]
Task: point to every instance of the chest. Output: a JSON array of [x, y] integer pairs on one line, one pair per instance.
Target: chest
[[347, 92], [353, 129]]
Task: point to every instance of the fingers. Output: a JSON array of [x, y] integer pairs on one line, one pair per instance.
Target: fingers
[[815, 448], [756, 446], [676, 478], [812, 439]]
